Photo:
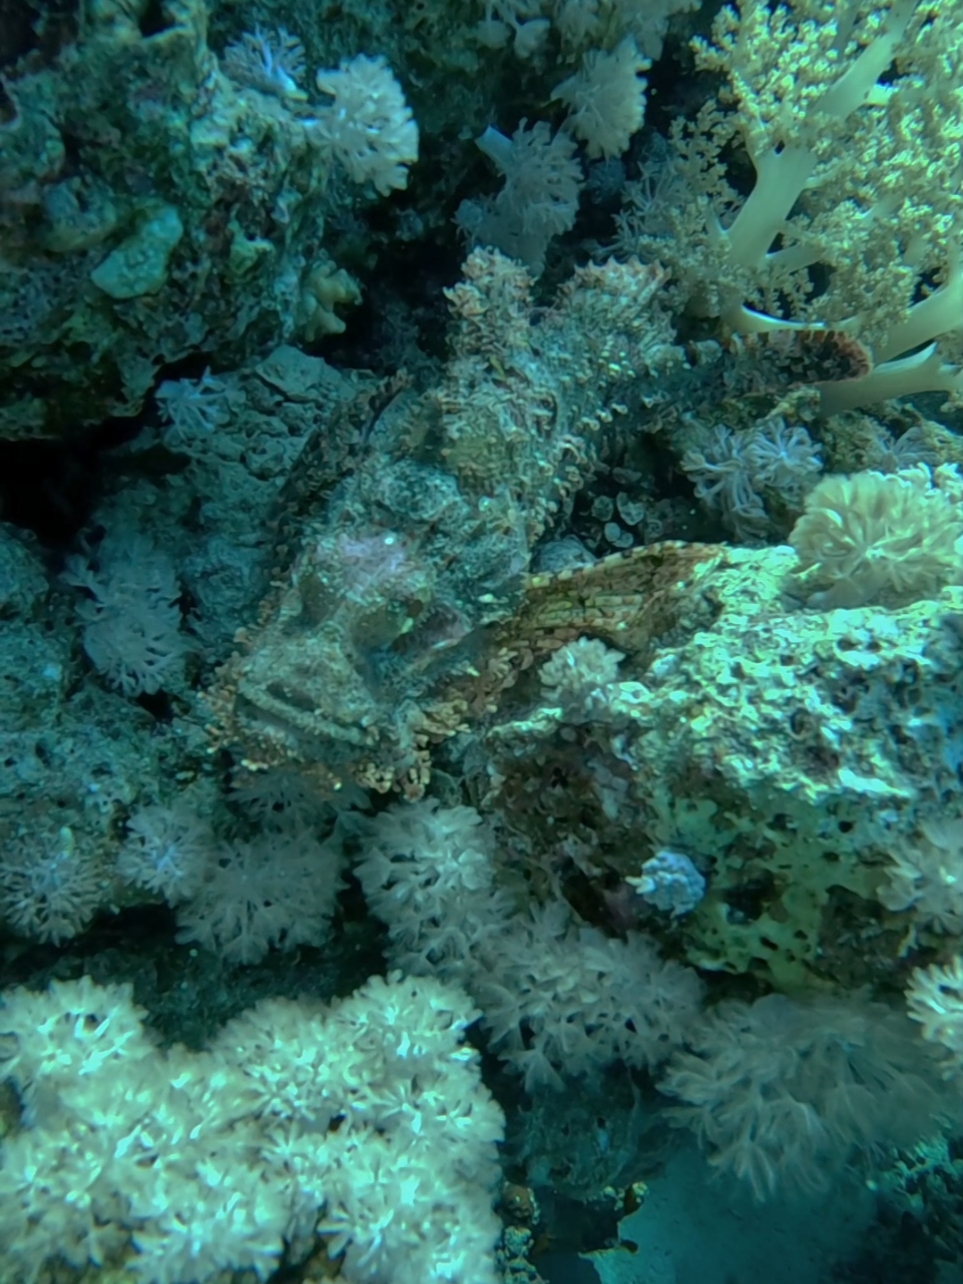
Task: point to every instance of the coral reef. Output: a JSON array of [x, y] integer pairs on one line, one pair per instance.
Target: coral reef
[[153, 207], [481, 612]]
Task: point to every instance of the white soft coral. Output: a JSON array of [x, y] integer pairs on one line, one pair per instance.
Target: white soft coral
[[780, 1092], [561, 998], [539, 199], [276, 891], [606, 98], [935, 1000], [557, 997], [184, 1167], [369, 126]]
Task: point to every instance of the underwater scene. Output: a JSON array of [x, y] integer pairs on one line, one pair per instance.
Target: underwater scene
[[481, 641]]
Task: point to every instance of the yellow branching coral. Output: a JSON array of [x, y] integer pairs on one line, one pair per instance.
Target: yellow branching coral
[[851, 116]]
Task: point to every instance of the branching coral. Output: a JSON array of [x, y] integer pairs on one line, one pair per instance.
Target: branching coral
[[851, 118]]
